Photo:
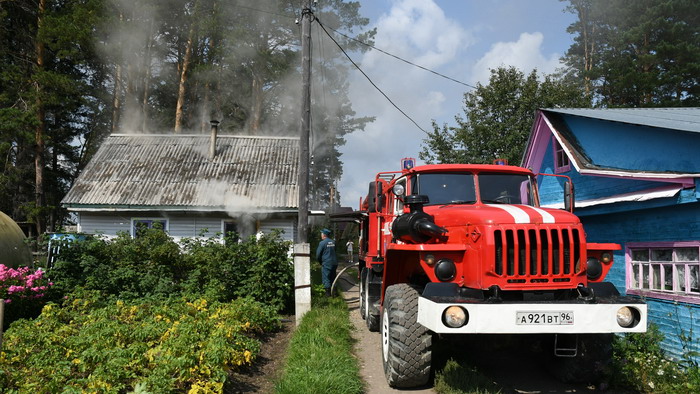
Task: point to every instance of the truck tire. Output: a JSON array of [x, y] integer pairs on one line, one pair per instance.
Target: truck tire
[[363, 299], [371, 319], [591, 365], [406, 345]]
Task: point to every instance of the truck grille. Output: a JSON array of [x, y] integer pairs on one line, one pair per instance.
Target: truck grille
[[537, 255]]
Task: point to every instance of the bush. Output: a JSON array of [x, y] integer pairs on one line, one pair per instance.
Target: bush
[[154, 265], [641, 364], [24, 291], [118, 346]]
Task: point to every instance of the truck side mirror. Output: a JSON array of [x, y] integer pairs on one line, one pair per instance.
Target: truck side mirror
[[569, 196], [375, 200]]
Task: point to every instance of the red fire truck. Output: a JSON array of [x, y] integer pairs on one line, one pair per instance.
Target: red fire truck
[[467, 249]]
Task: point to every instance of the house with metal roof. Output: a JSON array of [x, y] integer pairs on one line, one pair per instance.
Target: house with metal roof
[[190, 185], [637, 178]]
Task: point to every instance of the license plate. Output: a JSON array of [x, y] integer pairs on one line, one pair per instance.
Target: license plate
[[545, 318]]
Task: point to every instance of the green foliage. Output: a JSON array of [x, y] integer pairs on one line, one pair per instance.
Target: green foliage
[[161, 346], [320, 358], [154, 265], [641, 364], [456, 378], [499, 117], [637, 53]]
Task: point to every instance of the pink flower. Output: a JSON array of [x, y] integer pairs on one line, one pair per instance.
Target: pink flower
[[15, 289], [8, 301]]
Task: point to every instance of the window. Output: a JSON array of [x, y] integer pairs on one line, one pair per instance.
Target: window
[[139, 225], [669, 270], [230, 231], [447, 188], [561, 160], [498, 188]]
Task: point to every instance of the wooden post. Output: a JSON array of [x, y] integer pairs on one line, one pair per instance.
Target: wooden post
[[305, 129], [302, 256]]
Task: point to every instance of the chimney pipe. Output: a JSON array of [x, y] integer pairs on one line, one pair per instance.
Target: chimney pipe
[[212, 140]]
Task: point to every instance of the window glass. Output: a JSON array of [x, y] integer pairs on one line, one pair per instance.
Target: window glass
[[640, 255], [447, 188], [141, 225], [665, 271], [561, 160], [686, 254], [662, 254], [505, 189]]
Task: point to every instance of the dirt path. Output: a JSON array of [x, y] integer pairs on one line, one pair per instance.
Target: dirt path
[[368, 348]]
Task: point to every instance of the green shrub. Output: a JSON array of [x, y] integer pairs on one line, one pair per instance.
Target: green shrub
[[641, 364], [150, 345], [154, 265]]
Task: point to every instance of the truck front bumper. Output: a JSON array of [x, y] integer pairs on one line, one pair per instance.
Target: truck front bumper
[[483, 317]]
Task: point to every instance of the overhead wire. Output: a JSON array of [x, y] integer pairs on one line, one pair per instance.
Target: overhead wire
[[368, 78], [402, 59]]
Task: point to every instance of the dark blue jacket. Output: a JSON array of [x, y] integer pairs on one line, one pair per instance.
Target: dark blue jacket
[[325, 253]]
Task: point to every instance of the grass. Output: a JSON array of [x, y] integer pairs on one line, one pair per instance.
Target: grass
[[320, 355], [460, 378]]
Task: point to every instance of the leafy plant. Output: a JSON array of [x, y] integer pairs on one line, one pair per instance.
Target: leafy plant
[[150, 345], [23, 290]]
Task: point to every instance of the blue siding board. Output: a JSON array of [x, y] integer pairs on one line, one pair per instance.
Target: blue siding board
[[586, 186], [635, 147], [670, 223]]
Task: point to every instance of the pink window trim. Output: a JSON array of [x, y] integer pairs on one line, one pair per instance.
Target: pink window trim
[[690, 299], [556, 148]]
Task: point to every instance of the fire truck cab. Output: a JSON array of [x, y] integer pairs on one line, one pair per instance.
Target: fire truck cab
[[467, 249]]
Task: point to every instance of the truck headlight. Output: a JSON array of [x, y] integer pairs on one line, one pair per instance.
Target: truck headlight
[[627, 317], [454, 316]]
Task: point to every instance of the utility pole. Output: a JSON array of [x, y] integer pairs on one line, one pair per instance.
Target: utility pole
[[302, 253], [303, 224]]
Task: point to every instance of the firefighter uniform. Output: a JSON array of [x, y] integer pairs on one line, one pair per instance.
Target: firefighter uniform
[[325, 254]]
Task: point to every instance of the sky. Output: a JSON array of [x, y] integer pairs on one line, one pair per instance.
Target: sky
[[462, 39]]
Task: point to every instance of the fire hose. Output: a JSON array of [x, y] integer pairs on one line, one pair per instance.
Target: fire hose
[[341, 273]]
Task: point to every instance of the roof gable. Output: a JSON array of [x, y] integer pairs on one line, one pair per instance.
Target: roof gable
[[174, 172], [621, 142]]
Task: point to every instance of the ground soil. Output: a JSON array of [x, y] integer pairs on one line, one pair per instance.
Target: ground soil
[[262, 375]]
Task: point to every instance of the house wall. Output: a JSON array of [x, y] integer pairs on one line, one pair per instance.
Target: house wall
[[180, 225], [671, 223], [635, 147], [587, 187]]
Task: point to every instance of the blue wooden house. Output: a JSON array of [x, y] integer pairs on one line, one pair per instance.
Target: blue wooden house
[[637, 182]]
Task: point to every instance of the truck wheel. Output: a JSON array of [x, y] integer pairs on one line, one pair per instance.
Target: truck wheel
[[591, 364], [371, 319], [363, 299], [406, 345]]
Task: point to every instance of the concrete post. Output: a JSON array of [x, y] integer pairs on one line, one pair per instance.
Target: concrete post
[[302, 280]]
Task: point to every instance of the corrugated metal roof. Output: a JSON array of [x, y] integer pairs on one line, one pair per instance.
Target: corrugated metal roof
[[685, 119], [140, 171]]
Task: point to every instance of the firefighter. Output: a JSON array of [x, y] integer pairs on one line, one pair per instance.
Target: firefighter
[[325, 254]]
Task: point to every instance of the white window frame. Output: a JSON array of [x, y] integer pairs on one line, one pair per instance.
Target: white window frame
[[559, 152], [650, 278], [132, 228]]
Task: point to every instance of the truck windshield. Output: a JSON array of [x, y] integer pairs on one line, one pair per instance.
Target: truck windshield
[[447, 188], [505, 189]]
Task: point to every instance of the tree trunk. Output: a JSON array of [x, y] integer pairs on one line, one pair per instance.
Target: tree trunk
[[257, 104], [147, 77], [41, 125], [183, 73], [116, 99]]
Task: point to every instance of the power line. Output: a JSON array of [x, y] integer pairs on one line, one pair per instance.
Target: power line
[[403, 60], [368, 78]]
